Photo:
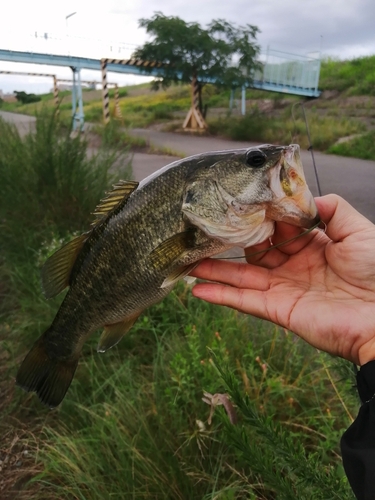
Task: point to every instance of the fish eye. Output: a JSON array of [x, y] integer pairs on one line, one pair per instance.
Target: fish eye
[[256, 158]]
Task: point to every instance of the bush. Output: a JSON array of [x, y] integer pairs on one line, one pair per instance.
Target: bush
[[25, 98], [47, 182]]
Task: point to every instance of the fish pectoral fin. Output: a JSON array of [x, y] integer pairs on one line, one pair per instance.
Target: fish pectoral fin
[[172, 249], [56, 270], [119, 194], [177, 274], [112, 334]]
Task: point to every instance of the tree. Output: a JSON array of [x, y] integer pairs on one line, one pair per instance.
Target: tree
[[25, 98], [223, 54]]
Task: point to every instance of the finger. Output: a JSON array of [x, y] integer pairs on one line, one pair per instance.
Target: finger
[[278, 256], [232, 273], [285, 232], [341, 218], [265, 255], [247, 301]]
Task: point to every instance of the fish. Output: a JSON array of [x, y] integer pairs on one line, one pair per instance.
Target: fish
[[146, 236]]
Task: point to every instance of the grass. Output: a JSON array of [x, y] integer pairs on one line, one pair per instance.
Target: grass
[[354, 77], [257, 126], [133, 424], [359, 147]]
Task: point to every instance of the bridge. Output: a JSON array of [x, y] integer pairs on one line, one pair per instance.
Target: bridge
[[280, 71]]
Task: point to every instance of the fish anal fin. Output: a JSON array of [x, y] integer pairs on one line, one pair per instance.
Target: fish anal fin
[[49, 378], [56, 270], [172, 249], [177, 274], [113, 333], [119, 194]]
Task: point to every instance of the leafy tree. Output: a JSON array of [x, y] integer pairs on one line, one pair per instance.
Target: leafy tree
[[25, 98], [222, 53]]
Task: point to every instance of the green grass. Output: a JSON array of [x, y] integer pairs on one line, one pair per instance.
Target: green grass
[[257, 126], [355, 77], [358, 147], [133, 424]]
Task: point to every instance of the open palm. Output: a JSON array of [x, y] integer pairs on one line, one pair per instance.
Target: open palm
[[320, 286]]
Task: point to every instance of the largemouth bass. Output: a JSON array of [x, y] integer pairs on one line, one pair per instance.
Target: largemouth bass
[[147, 236]]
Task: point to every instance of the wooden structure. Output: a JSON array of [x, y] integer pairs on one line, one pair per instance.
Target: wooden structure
[[194, 120]]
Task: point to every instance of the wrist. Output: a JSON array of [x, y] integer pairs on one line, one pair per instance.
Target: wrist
[[366, 353]]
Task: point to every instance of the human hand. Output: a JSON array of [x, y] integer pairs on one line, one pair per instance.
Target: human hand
[[320, 286]]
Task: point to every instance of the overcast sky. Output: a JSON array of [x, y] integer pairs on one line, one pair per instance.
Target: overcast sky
[[339, 28]]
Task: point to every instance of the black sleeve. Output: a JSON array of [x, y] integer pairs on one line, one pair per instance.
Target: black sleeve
[[358, 442]]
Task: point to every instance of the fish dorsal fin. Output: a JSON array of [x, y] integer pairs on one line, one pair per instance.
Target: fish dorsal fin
[[120, 193], [56, 270], [112, 334]]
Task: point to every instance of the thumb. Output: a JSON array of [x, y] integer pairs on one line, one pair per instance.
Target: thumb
[[341, 218]]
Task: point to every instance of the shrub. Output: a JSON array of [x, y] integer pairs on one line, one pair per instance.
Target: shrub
[[25, 98]]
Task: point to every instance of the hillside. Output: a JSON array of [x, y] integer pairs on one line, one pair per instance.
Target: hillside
[[341, 120]]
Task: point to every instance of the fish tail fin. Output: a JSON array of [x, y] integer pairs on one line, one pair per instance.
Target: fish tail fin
[[49, 378]]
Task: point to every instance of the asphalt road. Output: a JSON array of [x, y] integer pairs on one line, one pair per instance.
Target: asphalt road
[[351, 178]]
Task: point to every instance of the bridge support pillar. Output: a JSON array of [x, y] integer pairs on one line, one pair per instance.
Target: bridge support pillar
[[231, 100], [243, 101], [78, 118]]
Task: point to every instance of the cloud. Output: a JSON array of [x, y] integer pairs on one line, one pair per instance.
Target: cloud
[[342, 28]]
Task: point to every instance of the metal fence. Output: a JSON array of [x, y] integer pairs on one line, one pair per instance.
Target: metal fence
[[283, 69]]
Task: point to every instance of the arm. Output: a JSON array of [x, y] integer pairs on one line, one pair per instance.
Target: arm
[[358, 442]]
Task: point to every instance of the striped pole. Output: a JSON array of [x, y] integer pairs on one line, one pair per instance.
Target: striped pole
[[56, 94], [194, 119], [105, 93], [118, 113], [24, 73], [195, 85], [134, 62]]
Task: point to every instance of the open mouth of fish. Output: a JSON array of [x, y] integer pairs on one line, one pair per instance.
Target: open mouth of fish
[[293, 201]]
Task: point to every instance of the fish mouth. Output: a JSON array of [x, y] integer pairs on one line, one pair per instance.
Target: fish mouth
[[293, 202]]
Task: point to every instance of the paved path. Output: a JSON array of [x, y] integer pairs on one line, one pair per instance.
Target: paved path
[[351, 178], [24, 123]]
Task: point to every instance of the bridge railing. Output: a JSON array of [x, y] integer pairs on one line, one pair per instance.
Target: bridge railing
[[55, 44], [284, 69]]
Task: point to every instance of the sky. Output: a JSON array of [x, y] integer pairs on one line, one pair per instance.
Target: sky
[[335, 28]]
